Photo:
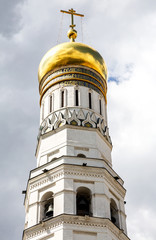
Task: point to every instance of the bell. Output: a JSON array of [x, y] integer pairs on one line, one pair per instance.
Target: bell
[[83, 207], [49, 212], [82, 204]]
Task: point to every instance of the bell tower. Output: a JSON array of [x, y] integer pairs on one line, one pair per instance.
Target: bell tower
[[74, 193]]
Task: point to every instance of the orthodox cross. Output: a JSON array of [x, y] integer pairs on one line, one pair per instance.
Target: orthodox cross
[[72, 12]]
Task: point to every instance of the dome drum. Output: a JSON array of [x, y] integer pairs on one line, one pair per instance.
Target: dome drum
[[74, 75]]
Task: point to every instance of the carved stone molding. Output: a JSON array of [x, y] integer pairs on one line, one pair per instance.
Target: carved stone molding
[[75, 117], [78, 171], [95, 224]]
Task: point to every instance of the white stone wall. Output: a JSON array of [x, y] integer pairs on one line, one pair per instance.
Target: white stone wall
[[72, 141], [63, 181]]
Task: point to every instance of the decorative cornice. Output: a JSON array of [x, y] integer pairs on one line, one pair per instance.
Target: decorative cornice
[[78, 171], [45, 180], [90, 222], [95, 173], [76, 117]]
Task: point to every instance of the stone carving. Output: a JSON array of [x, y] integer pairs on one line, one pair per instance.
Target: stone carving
[[76, 117], [88, 122], [60, 121], [67, 114], [101, 126], [81, 115], [73, 120], [93, 118], [53, 120]]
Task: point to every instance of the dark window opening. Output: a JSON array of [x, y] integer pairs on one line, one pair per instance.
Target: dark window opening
[[50, 104], [62, 99], [76, 97], [90, 101], [83, 202], [100, 106], [114, 213]]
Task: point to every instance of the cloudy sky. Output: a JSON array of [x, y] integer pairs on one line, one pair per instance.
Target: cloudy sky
[[124, 32]]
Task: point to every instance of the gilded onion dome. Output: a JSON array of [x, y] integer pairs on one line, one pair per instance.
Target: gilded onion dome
[[70, 54]]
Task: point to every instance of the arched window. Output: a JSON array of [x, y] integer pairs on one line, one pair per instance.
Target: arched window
[[81, 155], [50, 103], [83, 202], [90, 100], [47, 206], [76, 97], [114, 213], [62, 98], [100, 109]]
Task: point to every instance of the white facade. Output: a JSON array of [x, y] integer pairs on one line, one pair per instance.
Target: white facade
[[74, 176]]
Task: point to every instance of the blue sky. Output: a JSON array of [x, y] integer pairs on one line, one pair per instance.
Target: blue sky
[[124, 34]]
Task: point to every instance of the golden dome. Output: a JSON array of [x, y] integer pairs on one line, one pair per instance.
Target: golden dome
[[71, 53]]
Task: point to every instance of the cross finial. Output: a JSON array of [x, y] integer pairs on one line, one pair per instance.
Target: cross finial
[[72, 33]]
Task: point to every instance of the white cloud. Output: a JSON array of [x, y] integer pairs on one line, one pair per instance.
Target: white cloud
[[143, 224], [132, 115]]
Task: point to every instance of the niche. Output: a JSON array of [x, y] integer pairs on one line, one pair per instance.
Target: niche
[[47, 206], [114, 213], [83, 202]]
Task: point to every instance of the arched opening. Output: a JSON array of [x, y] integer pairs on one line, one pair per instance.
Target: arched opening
[[50, 104], [47, 206], [100, 107], [76, 97], [81, 155], [114, 213], [62, 98], [83, 202], [90, 100]]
